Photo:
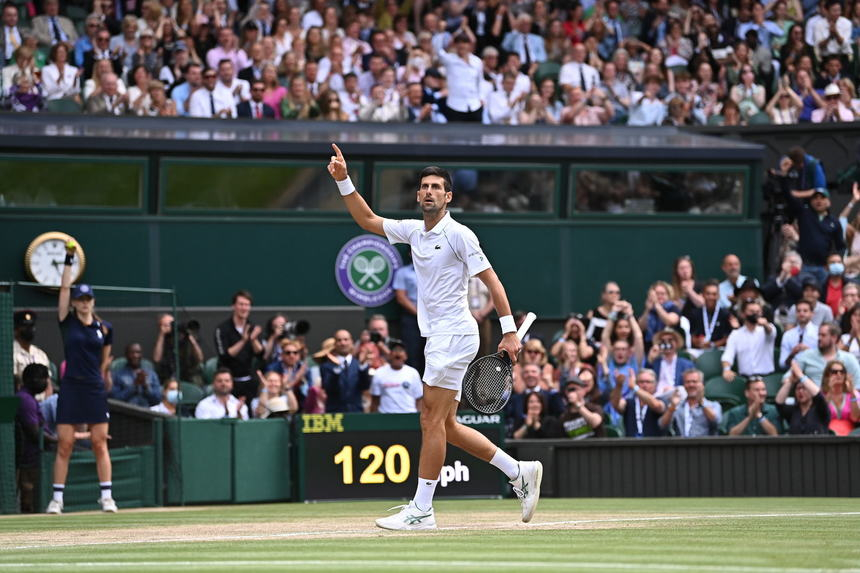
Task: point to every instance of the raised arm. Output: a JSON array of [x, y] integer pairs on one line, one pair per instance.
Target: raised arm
[[66, 282], [358, 207]]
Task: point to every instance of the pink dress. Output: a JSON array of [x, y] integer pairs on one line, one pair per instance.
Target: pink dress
[[274, 97], [840, 420]]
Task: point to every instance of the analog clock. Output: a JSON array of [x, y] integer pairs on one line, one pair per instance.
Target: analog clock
[[45, 255]]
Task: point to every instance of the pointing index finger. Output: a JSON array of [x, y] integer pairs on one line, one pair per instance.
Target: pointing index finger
[[337, 151]]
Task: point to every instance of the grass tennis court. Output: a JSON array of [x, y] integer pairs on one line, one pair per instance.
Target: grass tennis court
[[733, 535]]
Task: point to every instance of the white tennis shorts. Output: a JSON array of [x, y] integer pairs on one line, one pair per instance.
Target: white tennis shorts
[[447, 357]]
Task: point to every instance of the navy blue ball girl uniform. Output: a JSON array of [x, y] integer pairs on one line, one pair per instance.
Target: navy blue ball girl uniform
[[83, 397]]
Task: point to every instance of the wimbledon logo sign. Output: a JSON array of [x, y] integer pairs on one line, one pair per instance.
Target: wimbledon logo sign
[[365, 270]]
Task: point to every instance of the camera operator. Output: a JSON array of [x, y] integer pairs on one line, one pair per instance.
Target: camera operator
[[190, 354], [375, 342]]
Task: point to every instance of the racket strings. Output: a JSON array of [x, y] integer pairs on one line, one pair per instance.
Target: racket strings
[[488, 384]]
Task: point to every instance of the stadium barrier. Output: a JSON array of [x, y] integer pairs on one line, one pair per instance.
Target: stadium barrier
[[742, 466]]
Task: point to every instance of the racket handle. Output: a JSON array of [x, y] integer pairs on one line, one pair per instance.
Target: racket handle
[[527, 323]]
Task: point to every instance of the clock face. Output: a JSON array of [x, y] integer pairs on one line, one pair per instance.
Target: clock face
[[45, 257]]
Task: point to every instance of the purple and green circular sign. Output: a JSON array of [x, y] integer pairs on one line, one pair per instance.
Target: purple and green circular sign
[[364, 270]]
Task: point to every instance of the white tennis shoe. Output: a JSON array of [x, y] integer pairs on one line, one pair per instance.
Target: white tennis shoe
[[527, 487], [54, 507], [108, 505], [409, 518]]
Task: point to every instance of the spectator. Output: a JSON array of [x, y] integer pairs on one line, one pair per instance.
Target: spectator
[[806, 170], [101, 51], [535, 420], [850, 341], [190, 353], [850, 297], [378, 108], [710, 328], [830, 73], [23, 64], [749, 95], [610, 308], [51, 29], [568, 364], [574, 331], [698, 416], [170, 397], [107, 100], [24, 352], [732, 270], [172, 73], [687, 288], [254, 71], [227, 81], [642, 410], [85, 384], [138, 92], [227, 50], [125, 44], [831, 35], [660, 312], [210, 100], [667, 365], [620, 360], [837, 387], [396, 387], [159, 105], [274, 93], [782, 290], [577, 73], [732, 114], [11, 37], [135, 382], [146, 55], [274, 400], [345, 377], [504, 105], [810, 413], [797, 339], [809, 96], [181, 94], [821, 313], [298, 103], [648, 109], [464, 72], [94, 84], [581, 110], [295, 371], [256, 108], [531, 380], [221, 403], [751, 344], [836, 281], [756, 417], [676, 48], [330, 106], [60, 78], [811, 362], [29, 421], [415, 110], [848, 96], [582, 417], [785, 106], [237, 342], [534, 353], [530, 47], [820, 232], [833, 110]]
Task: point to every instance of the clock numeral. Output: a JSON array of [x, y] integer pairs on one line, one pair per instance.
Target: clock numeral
[[394, 456]]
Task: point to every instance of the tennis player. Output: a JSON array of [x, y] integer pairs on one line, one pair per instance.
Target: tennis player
[[445, 254]]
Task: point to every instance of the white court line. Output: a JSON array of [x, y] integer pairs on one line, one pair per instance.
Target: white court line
[[423, 564], [373, 531]]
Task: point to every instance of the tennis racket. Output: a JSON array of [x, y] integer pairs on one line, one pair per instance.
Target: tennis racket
[[489, 380]]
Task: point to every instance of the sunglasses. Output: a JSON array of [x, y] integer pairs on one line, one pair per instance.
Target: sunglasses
[[209, 76], [533, 351], [258, 89], [290, 352], [837, 371], [613, 292]]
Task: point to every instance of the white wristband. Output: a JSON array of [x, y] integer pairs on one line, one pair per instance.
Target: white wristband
[[345, 187], [508, 324]]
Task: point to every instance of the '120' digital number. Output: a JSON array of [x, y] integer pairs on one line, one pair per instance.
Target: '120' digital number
[[396, 455]]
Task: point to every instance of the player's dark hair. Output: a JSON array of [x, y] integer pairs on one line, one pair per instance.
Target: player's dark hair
[[244, 294], [438, 172]]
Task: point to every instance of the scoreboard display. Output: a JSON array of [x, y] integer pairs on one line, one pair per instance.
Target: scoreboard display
[[365, 456]]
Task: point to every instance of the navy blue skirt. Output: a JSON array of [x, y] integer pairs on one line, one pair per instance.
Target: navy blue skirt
[[82, 402]]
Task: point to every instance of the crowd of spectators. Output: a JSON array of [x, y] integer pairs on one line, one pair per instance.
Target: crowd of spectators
[[512, 62]]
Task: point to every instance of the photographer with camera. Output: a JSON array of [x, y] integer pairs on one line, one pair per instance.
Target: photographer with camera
[[374, 341], [663, 359], [190, 354]]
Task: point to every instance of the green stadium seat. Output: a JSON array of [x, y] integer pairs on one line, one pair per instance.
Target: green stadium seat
[[63, 106], [727, 394], [613, 431], [191, 394], [773, 383], [759, 118], [209, 368], [547, 70], [710, 363], [121, 362], [715, 119]]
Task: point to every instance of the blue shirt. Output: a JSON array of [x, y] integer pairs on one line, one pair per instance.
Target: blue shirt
[[655, 325], [82, 46], [179, 95], [405, 279], [126, 390], [83, 347]]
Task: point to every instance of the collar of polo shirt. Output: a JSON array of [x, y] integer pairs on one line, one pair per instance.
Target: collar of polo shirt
[[440, 226]]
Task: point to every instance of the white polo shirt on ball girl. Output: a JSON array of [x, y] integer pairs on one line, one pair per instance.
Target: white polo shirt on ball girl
[[444, 259]]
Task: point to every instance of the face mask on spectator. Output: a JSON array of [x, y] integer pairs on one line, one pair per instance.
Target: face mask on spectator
[[173, 396], [752, 318], [836, 268]]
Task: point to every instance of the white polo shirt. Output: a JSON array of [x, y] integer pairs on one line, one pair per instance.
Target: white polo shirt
[[444, 258], [753, 349], [210, 408], [397, 389]]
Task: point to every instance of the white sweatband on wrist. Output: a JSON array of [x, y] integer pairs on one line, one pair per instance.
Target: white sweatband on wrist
[[508, 324], [345, 187]]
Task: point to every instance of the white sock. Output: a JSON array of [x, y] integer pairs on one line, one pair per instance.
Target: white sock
[[105, 486], [506, 463], [59, 488], [424, 494]]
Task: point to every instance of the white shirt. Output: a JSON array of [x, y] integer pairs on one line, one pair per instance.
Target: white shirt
[[666, 383], [244, 93], [444, 258], [727, 289], [312, 18], [22, 358], [58, 86], [201, 106], [754, 350], [464, 81], [397, 389], [573, 73], [13, 39], [821, 31], [161, 409], [807, 335], [211, 408], [499, 109], [820, 314]]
